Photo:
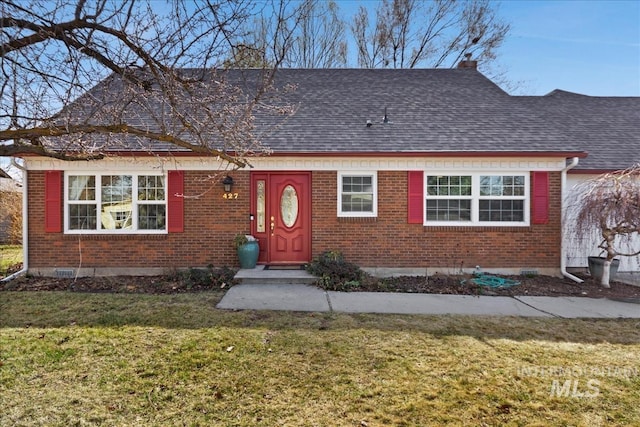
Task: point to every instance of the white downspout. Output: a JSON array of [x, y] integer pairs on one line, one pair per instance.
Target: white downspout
[[563, 250], [25, 223]]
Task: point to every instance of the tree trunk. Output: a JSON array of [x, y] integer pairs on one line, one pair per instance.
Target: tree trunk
[[606, 270]]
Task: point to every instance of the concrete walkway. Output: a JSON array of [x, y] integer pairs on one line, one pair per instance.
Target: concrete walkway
[[290, 297]]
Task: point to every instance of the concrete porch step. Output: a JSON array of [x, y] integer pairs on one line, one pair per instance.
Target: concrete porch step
[[259, 276]]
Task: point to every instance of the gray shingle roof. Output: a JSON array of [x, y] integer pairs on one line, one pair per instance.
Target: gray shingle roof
[[430, 111], [443, 110], [608, 128]]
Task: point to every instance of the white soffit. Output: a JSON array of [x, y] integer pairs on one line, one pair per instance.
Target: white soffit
[[158, 164]]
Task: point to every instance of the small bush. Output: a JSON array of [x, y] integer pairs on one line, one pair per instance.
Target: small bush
[[205, 278], [336, 274]]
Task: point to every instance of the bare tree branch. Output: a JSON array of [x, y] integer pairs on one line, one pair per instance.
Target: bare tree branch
[[151, 71], [410, 33]]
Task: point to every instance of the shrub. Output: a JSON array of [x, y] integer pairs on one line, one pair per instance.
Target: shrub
[[205, 278], [336, 274]]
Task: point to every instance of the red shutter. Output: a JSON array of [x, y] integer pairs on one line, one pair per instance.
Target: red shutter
[[415, 214], [540, 197], [175, 202], [53, 201]]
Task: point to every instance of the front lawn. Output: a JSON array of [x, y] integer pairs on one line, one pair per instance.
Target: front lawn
[[122, 359], [10, 256]]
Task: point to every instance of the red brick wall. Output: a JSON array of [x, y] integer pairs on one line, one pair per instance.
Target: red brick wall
[[210, 222], [385, 241], [389, 241]]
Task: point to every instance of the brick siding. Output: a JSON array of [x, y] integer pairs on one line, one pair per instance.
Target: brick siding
[[389, 241], [210, 222]]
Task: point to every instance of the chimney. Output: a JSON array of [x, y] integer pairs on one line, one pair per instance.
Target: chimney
[[468, 63]]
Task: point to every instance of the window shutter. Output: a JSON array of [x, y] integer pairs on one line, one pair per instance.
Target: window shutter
[[540, 197], [415, 179], [53, 201], [175, 202]]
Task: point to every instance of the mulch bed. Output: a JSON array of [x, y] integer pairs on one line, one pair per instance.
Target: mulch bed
[[115, 284], [529, 286], [438, 284]]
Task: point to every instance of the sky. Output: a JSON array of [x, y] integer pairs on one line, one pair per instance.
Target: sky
[[589, 47]]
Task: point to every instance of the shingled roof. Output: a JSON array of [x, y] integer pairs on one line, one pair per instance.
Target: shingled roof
[[428, 111], [607, 128], [440, 111]]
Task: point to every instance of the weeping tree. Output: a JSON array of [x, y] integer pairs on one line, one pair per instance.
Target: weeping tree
[[156, 73], [610, 205]]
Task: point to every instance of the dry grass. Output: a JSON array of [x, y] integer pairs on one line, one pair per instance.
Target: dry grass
[[11, 217], [102, 359], [10, 255]]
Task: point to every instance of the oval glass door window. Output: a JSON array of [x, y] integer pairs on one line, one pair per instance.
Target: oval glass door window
[[289, 206]]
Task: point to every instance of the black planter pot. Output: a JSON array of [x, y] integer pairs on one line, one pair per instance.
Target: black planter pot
[[596, 267]]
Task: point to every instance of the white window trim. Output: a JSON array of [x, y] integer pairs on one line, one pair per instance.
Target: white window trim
[[374, 182], [475, 199], [98, 202]]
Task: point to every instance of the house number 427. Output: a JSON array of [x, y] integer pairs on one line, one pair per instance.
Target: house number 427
[[230, 196]]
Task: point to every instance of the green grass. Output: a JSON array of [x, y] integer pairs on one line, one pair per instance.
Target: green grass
[[10, 255], [117, 359]]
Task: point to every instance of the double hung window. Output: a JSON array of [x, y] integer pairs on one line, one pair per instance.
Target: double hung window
[[449, 198], [357, 194], [477, 199], [114, 203], [502, 198]]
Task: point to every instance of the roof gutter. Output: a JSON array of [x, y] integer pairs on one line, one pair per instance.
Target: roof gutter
[[473, 154], [25, 223], [563, 249], [368, 154]]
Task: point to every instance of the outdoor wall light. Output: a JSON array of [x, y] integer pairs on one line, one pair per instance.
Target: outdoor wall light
[[227, 183]]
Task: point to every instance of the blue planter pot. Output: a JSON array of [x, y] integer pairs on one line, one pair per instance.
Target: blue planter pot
[[248, 254]]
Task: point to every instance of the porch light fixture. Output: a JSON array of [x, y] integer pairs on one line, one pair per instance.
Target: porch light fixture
[[227, 182]]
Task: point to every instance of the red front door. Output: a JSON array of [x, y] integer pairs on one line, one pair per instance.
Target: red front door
[[281, 209]]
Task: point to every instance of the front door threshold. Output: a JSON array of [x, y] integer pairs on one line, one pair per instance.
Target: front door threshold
[[284, 267]]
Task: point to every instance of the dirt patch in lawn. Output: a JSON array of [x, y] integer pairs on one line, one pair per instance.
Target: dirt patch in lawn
[[437, 284]]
